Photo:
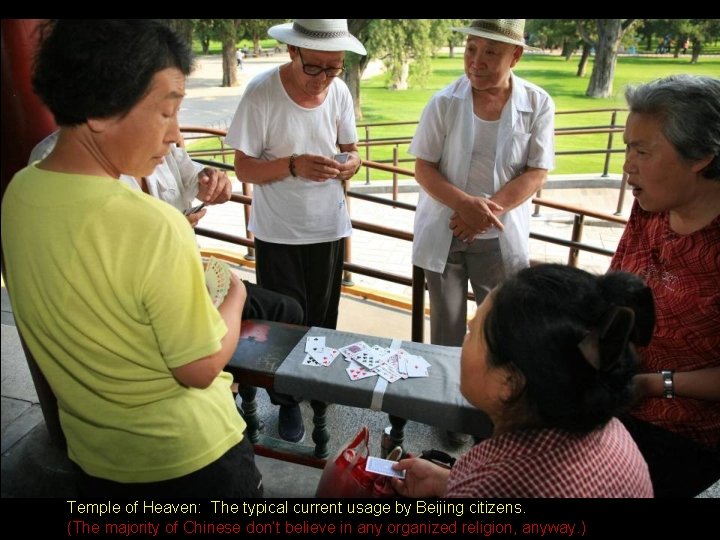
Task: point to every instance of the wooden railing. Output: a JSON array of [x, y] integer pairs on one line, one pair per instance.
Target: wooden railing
[[416, 279]]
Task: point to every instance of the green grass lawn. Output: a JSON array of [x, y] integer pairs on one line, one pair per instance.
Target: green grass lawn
[[553, 73]]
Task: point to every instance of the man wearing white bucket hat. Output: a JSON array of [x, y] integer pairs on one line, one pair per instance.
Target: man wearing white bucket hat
[[483, 147], [288, 129]]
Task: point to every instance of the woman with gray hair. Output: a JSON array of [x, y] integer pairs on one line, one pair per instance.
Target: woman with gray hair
[[672, 240]]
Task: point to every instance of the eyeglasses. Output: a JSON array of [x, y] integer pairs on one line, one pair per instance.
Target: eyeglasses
[[314, 71]]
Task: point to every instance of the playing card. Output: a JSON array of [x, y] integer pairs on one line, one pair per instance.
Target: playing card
[[402, 364], [383, 353], [388, 372], [315, 344], [325, 357], [383, 466], [368, 358], [217, 280], [349, 350], [356, 372], [417, 366], [310, 361]]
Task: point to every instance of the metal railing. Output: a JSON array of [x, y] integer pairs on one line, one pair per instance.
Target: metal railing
[[416, 280]]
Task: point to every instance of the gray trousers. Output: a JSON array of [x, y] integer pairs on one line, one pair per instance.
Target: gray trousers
[[481, 263]]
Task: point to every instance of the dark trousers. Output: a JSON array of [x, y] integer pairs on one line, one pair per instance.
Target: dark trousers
[[679, 467], [269, 305], [232, 475], [310, 273]]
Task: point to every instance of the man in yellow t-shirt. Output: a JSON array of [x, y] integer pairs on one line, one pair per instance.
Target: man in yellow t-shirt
[[106, 283]]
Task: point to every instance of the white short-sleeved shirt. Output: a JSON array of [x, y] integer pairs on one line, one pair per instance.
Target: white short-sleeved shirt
[[174, 181], [269, 125], [445, 135]]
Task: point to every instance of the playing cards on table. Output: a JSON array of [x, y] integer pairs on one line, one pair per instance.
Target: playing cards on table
[[366, 361]]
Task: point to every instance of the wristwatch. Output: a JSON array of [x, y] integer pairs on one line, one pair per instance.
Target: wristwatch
[[668, 384]]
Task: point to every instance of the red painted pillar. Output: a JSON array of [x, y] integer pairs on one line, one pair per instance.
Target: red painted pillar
[[25, 120]]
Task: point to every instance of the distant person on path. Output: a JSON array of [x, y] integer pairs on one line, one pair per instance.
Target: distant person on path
[[106, 283], [672, 241], [288, 127], [549, 357], [484, 146], [239, 55]]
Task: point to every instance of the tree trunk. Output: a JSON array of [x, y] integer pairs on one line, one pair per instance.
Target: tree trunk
[[401, 82], [229, 62], [696, 48], [568, 48], [352, 77], [256, 45], [610, 33], [205, 43], [451, 47], [678, 46], [582, 65]]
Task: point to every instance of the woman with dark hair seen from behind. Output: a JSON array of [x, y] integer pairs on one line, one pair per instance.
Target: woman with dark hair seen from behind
[[550, 358], [106, 283], [672, 241]]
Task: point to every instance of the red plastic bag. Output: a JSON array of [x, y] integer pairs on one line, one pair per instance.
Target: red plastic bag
[[345, 474]]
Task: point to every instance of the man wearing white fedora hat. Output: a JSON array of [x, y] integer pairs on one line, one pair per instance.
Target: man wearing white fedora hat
[[289, 127], [483, 147]]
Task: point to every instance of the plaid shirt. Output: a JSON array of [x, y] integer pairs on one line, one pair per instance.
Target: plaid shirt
[[683, 272], [553, 463]]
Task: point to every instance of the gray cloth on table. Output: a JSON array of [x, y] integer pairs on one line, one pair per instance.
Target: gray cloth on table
[[434, 400]]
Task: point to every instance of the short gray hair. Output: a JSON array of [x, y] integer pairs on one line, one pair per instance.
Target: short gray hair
[[689, 108]]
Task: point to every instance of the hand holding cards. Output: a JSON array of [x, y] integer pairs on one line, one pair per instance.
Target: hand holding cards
[[341, 158], [217, 280], [383, 466]]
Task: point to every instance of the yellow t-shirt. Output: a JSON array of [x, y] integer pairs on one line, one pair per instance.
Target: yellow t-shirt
[[108, 290]]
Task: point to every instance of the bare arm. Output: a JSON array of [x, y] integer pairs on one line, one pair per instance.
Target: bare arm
[[698, 384], [472, 214], [260, 171], [520, 189], [201, 373], [511, 195]]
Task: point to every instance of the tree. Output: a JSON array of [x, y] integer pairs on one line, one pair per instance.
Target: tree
[[256, 29], [405, 46], [443, 32], [609, 35], [184, 27], [355, 64], [701, 31], [554, 33], [203, 30], [226, 30]]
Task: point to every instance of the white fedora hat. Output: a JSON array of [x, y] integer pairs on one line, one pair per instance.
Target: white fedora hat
[[318, 34], [506, 30]]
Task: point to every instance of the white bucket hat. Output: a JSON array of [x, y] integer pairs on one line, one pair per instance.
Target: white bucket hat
[[505, 30], [318, 34]]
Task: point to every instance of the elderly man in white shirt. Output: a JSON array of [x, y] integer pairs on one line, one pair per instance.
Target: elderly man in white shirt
[[483, 147]]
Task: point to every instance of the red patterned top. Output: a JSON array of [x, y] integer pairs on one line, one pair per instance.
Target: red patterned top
[[553, 463], [684, 273]]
